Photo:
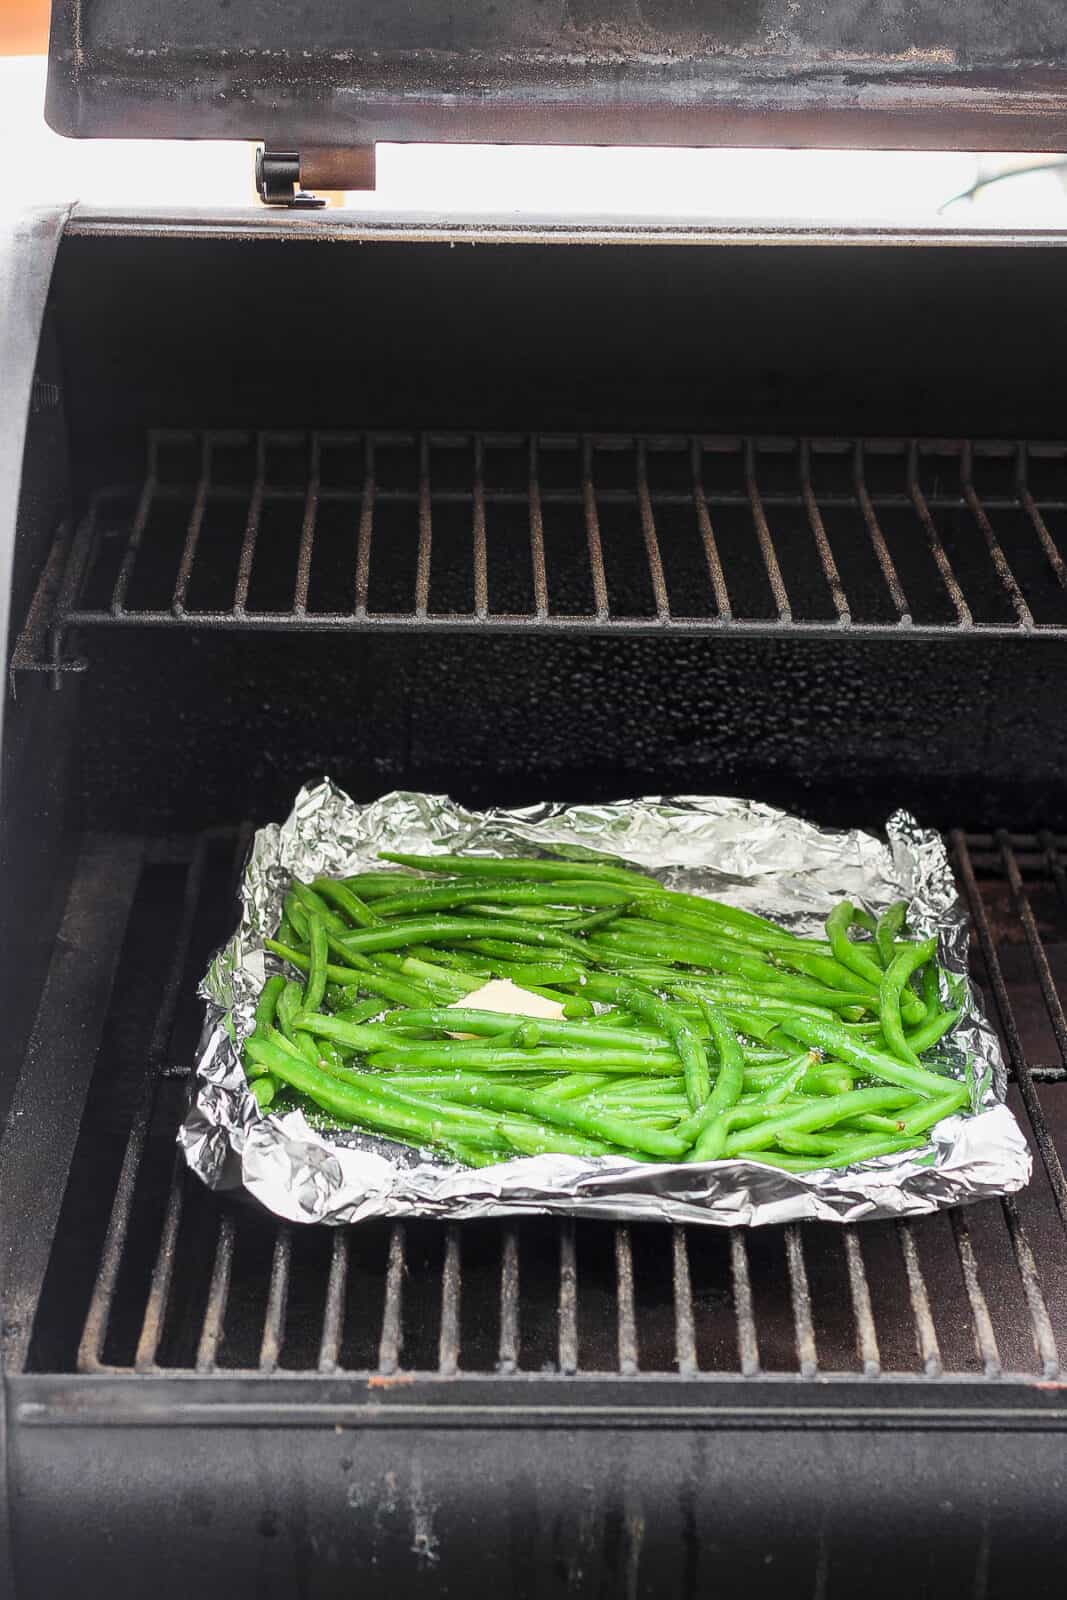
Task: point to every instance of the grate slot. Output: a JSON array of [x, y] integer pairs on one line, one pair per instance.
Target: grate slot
[[448, 1342], [508, 1354], [925, 1332], [763, 535], [624, 1293], [877, 537], [822, 542], [568, 1298], [800, 1293], [334, 1314], [984, 1337], [392, 1323], [937, 548], [307, 533], [218, 1294], [270, 1349], [860, 1292], [196, 523], [685, 1339], [707, 536], [747, 1338], [162, 1272]]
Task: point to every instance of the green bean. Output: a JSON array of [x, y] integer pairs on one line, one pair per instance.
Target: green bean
[[834, 1038], [515, 867], [347, 900], [863, 919], [846, 1156], [886, 930], [375, 885], [935, 1110], [627, 1135], [848, 954], [433, 929], [829, 971], [895, 977], [809, 1144], [927, 1034], [709, 1134], [315, 987], [312, 904], [363, 1099], [487, 1056], [821, 1113], [442, 897], [461, 1019], [295, 914], [374, 982], [793, 1077], [264, 1088], [461, 961], [359, 1036], [663, 1019], [931, 990], [268, 1002]]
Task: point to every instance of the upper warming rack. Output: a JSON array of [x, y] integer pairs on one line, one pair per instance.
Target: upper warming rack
[[397, 532]]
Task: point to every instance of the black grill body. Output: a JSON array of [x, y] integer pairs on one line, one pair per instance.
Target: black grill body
[[577, 515]]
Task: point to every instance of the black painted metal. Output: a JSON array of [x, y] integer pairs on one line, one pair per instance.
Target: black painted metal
[[587, 71]]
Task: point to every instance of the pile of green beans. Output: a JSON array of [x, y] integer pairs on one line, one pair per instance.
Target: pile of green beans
[[690, 1030]]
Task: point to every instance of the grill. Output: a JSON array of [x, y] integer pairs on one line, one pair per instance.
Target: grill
[[395, 531], [532, 520], [172, 1281]]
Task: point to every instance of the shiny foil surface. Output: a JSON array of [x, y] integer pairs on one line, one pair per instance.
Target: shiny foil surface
[[747, 854]]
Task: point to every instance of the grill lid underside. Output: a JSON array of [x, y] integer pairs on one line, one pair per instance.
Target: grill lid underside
[[662, 72]]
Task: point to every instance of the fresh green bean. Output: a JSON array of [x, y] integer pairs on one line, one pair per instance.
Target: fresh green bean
[[433, 929], [895, 977], [709, 1134], [515, 867], [626, 1134], [820, 1113], [363, 1099], [268, 1003], [347, 900], [394, 989], [848, 954], [487, 1056], [665, 1020], [888, 926], [835, 1040], [264, 1088], [927, 1034], [443, 897], [315, 988]]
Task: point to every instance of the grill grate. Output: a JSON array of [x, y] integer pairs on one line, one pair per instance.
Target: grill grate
[[179, 1280], [397, 531]]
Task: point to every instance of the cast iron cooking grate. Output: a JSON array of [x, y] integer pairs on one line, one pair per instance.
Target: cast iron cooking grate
[[393, 532], [120, 1262]]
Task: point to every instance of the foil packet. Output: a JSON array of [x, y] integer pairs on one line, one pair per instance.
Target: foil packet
[[739, 851]]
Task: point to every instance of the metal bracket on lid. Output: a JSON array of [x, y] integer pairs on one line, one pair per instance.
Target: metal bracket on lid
[[288, 177]]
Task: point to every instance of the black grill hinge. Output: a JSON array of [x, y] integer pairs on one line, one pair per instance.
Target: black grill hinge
[[289, 177], [278, 181]]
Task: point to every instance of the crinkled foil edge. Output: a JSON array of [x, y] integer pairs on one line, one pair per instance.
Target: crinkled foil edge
[[747, 853]]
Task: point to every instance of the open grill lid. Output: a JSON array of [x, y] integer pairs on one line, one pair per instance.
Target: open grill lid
[[344, 74]]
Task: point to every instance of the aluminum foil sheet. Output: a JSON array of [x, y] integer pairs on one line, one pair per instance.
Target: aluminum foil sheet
[[748, 854]]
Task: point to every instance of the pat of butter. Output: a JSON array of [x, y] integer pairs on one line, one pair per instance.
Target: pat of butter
[[500, 994]]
